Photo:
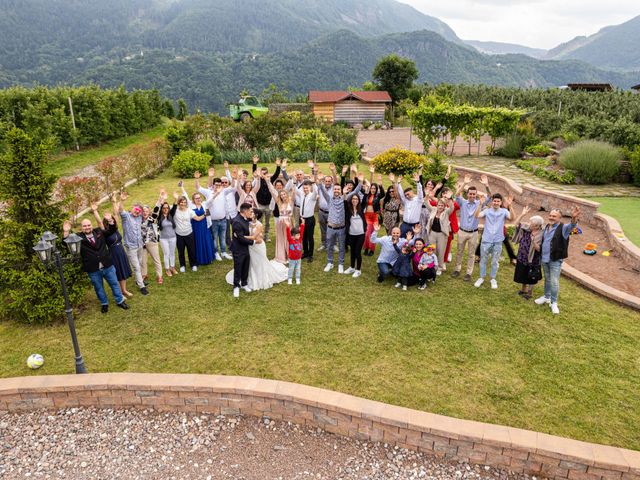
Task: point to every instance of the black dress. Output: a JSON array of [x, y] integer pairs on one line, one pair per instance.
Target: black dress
[[527, 273], [119, 256]]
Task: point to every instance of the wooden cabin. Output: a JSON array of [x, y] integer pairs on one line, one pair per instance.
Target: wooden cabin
[[350, 107]]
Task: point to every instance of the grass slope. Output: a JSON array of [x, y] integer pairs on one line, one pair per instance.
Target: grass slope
[[71, 162], [452, 349], [625, 210]]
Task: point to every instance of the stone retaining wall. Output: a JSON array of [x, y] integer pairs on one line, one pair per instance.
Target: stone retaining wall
[[518, 450]]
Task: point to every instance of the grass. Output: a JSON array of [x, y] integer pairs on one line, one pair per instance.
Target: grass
[[625, 210], [70, 162], [452, 349]]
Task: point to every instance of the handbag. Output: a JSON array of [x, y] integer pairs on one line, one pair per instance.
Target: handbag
[[534, 274]]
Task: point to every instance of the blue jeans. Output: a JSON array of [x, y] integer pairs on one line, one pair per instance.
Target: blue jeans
[[109, 274], [294, 266], [218, 232], [552, 280], [406, 227], [384, 269], [333, 236], [495, 250]]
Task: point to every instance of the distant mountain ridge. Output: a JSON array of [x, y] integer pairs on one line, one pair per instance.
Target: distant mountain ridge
[[614, 47], [501, 48]]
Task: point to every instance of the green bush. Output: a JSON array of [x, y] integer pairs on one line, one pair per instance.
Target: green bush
[[512, 147], [187, 162], [541, 167], [595, 162], [366, 124], [377, 126], [570, 138], [344, 154], [538, 150], [210, 148], [436, 169], [634, 161]]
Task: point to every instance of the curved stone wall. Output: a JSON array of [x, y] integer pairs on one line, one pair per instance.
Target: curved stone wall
[[518, 450]]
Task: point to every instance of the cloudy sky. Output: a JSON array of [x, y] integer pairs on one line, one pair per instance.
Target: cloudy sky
[[535, 23]]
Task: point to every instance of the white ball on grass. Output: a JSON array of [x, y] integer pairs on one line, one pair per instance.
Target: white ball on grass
[[35, 361]]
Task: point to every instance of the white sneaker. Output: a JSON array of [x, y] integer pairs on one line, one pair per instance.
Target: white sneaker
[[398, 285], [227, 256], [247, 289], [336, 248], [479, 282], [236, 292], [194, 269], [439, 272], [328, 267], [444, 266], [297, 281], [290, 282], [494, 283], [554, 309], [449, 258], [182, 270], [218, 257], [542, 300], [340, 269], [404, 287], [357, 273], [321, 248], [349, 271]]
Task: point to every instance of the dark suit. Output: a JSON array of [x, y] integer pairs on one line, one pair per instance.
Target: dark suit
[[240, 249]]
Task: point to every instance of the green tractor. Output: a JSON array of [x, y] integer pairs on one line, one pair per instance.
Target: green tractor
[[248, 107]]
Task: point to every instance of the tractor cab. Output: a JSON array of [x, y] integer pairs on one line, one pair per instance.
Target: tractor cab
[[248, 107]]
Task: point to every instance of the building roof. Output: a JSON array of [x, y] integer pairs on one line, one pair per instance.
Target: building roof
[[636, 87], [590, 86], [317, 96]]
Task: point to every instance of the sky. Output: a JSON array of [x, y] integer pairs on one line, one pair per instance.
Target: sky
[[534, 23]]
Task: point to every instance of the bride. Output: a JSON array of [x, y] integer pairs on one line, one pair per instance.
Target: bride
[[263, 273]]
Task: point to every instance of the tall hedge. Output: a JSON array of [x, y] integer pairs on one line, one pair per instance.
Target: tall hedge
[[29, 293]]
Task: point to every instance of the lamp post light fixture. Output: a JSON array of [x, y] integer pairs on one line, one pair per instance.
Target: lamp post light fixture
[[51, 257]]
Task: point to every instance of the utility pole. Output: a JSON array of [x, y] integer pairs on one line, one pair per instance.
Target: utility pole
[[73, 122]]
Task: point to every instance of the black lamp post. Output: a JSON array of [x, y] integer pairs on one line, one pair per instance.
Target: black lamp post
[[51, 257]]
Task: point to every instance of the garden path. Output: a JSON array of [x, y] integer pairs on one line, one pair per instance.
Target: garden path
[[377, 141]]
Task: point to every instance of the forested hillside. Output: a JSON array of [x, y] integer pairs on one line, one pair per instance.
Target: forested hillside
[[207, 52]]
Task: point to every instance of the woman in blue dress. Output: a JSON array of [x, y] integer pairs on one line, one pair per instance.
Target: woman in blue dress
[[201, 233], [116, 249]]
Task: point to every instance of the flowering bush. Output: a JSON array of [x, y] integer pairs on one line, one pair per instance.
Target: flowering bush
[[398, 161], [78, 192]]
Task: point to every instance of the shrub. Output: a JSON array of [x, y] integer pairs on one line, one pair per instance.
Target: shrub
[[344, 154], [634, 162], [366, 124], [377, 126], [542, 167], [512, 147], [29, 293], [595, 162], [435, 169], [570, 138], [187, 162], [210, 148], [538, 150], [307, 140], [398, 161], [342, 123]]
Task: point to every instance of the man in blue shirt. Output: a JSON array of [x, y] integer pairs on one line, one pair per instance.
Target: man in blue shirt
[[468, 232], [492, 236], [555, 248], [132, 239], [388, 253]]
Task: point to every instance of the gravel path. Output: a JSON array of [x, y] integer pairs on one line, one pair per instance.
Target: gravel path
[[133, 444]]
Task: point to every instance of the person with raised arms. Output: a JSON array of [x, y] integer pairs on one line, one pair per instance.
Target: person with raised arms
[[388, 253], [411, 201]]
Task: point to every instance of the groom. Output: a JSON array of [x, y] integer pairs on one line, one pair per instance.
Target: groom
[[240, 249]]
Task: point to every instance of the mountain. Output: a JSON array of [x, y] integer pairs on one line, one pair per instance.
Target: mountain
[[500, 48], [614, 47], [208, 51], [36, 33]]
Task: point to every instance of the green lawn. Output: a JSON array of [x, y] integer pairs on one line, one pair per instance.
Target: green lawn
[[452, 349], [70, 162], [626, 210]]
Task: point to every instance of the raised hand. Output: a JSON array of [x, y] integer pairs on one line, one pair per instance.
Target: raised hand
[[311, 164], [575, 212], [448, 195], [379, 179], [278, 162], [332, 167], [175, 195], [344, 170], [256, 174], [417, 228], [449, 168], [484, 180], [400, 177], [467, 178], [225, 164], [376, 226], [416, 177], [392, 178], [234, 172], [509, 200], [284, 163], [255, 159], [526, 210], [124, 195], [354, 168], [66, 227], [372, 168], [361, 177], [320, 177], [409, 236], [180, 183], [212, 172], [94, 207], [196, 175]]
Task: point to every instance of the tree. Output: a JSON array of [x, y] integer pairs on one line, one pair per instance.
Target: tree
[[30, 294], [183, 110], [396, 75], [310, 140]]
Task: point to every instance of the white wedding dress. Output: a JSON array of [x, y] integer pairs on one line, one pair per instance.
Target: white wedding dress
[[263, 273]]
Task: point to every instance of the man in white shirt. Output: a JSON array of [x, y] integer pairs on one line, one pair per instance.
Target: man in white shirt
[[323, 206], [412, 203], [308, 198]]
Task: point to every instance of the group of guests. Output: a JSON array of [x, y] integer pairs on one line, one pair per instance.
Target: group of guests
[[421, 223]]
